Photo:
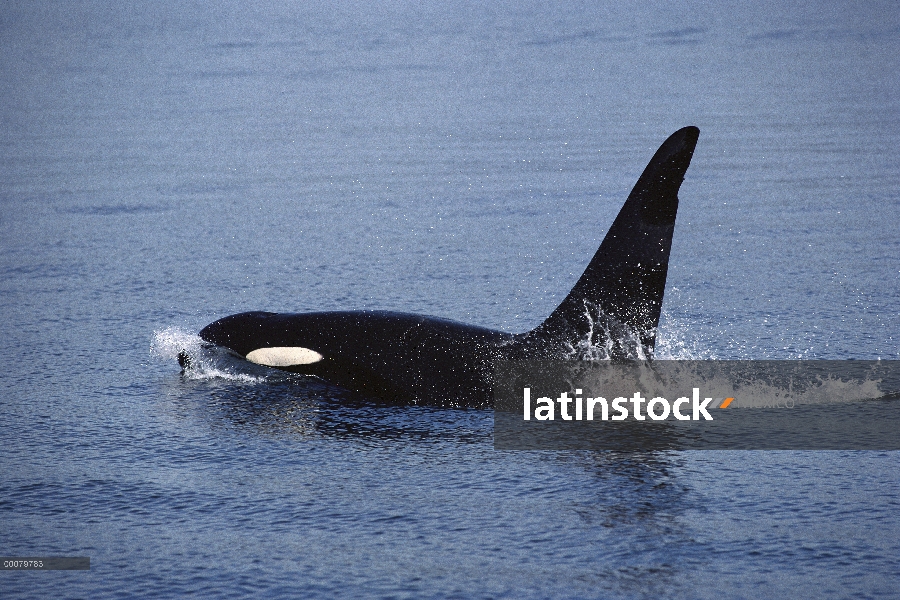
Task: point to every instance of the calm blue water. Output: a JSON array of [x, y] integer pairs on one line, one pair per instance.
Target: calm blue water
[[163, 166]]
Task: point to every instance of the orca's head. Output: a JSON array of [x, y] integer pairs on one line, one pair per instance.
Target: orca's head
[[264, 338]]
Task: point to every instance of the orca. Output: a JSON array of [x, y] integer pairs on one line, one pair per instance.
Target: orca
[[611, 313]]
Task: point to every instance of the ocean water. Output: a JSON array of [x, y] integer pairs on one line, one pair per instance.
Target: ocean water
[[162, 166]]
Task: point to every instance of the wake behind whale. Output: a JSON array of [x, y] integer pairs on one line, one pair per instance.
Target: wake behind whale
[[612, 312]]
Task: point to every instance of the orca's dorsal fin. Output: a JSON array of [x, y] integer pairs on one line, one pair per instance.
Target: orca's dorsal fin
[[615, 306]]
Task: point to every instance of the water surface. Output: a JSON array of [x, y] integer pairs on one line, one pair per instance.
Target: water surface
[[163, 166]]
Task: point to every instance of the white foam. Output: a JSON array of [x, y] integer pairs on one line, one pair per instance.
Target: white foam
[[168, 343], [204, 362], [676, 340], [679, 378], [613, 335]]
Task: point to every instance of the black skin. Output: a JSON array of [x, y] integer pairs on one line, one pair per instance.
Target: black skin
[[417, 359]]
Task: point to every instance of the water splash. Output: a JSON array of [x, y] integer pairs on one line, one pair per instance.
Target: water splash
[[606, 337], [201, 360], [753, 384], [824, 390], [675, 340]]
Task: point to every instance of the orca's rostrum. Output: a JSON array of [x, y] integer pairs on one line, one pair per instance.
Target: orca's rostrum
[[612, 312]]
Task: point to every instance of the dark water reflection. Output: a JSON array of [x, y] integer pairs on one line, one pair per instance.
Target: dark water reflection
[[307, 407], [623, 503]]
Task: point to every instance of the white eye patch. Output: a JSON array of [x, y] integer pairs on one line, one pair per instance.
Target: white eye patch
[[285, 356]]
